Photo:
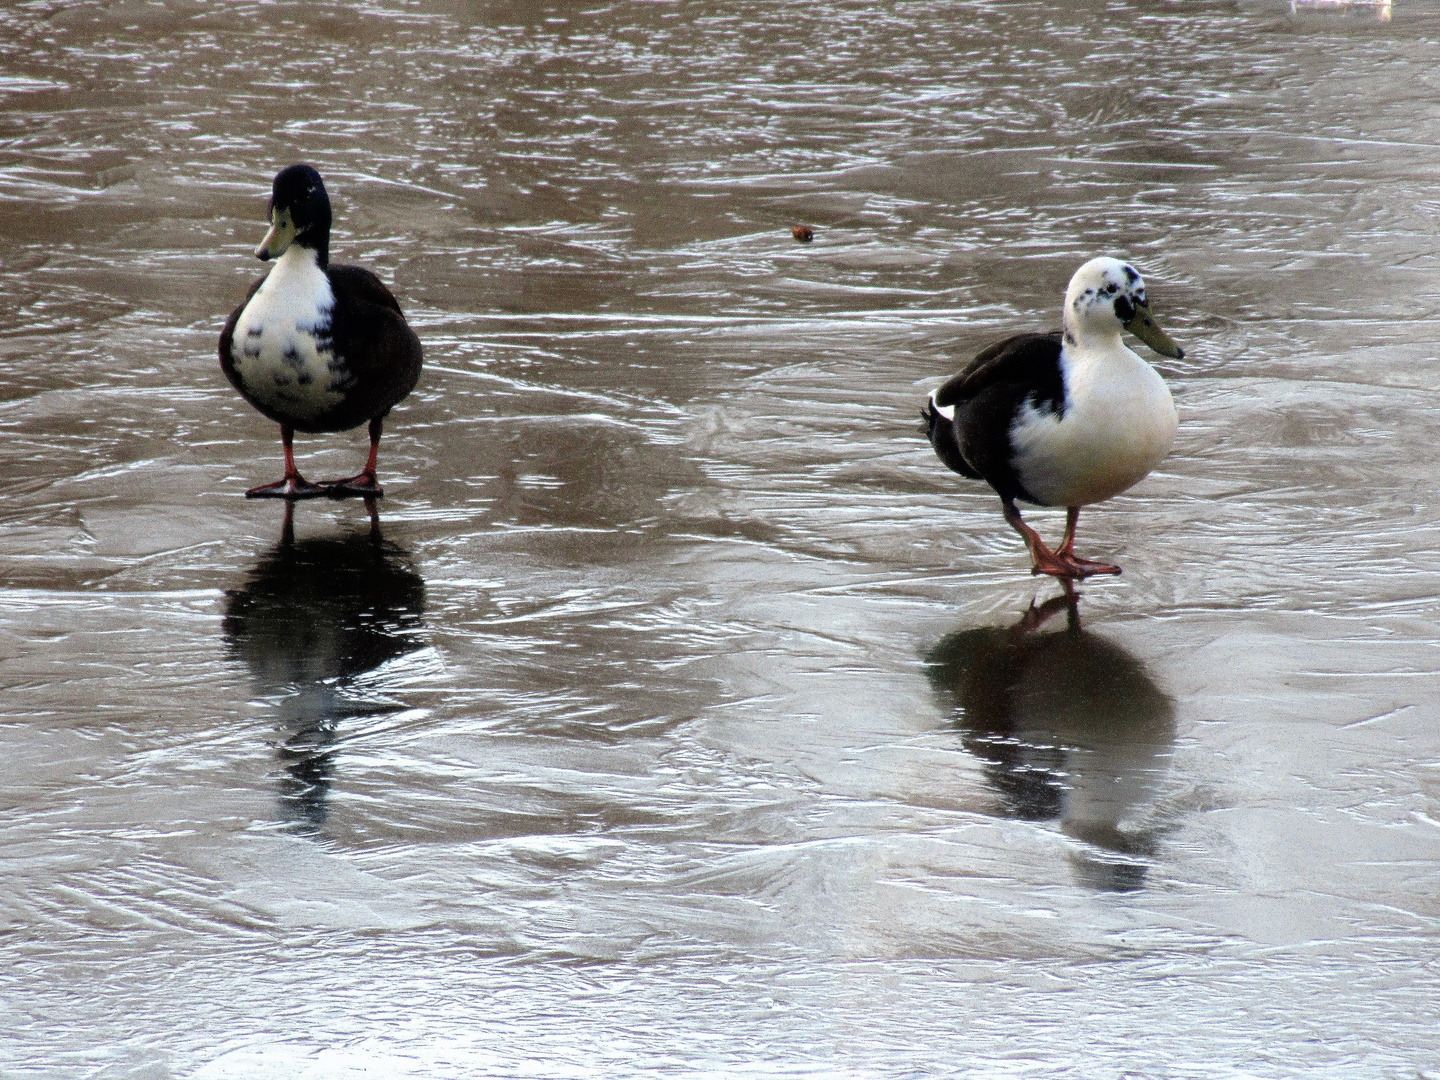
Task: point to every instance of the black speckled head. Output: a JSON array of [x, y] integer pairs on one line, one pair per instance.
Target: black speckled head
[[299, 213]]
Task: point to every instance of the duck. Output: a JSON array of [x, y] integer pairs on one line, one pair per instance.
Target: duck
[[1066, 418], [317, 347]]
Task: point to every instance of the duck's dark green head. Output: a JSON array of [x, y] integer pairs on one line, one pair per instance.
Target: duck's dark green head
[[299, 214]]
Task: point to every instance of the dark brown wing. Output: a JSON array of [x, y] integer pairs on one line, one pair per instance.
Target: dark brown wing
[[986, 397], [376, 348], [1030, 360]]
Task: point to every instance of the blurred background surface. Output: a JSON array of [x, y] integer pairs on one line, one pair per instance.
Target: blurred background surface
[[678, 718]]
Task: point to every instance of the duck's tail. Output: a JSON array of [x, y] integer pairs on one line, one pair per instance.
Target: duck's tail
[[940, 430]]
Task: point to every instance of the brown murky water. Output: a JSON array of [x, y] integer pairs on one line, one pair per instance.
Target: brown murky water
[[678, 722]]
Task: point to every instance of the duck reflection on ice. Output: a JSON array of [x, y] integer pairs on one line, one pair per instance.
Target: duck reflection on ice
[[1069, 726], [312, 617]]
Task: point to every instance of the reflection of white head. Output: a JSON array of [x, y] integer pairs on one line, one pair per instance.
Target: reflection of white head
[[1102, 298]]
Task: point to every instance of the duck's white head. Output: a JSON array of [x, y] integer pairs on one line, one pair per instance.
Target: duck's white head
[[1106, 296]]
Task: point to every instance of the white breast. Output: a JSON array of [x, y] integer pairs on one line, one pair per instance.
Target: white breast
[[282, 347], [1119, 423]]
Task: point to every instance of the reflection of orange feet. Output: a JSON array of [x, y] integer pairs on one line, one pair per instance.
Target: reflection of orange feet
[[362, 485], [292, 486], [1037, 617]]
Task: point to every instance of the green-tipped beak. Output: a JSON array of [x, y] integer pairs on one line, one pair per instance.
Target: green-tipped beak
[[282, 232], [1143, 325]]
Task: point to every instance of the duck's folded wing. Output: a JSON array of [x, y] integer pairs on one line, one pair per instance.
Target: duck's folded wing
[[382, 355], [356, 284], [1029, 361], [969, 417]]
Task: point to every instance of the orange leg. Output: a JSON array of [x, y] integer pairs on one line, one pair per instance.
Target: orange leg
[[362, 483], [292, 485], [1062, 563], [1066, 549]]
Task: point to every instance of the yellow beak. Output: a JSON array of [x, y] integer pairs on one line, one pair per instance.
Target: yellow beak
[[282, 232], [1143, 325]]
